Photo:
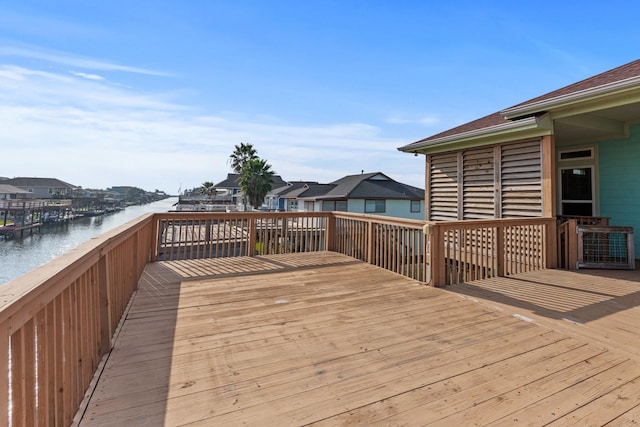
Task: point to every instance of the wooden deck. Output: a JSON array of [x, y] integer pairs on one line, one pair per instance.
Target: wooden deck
[[321, 339]]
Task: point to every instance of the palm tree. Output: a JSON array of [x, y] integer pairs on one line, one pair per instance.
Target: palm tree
[[255, 181], [242, 154], [207, 189]]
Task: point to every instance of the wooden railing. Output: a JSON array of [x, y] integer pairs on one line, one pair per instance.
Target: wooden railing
[[33, 204], [395, 244], [209, 235], [471, 250], [58, 321]]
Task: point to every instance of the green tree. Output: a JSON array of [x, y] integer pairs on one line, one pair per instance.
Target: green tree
[[207, 189], [256, 178], [241, 154]]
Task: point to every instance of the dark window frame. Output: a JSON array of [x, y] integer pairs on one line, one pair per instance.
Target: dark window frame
[[379, 206]]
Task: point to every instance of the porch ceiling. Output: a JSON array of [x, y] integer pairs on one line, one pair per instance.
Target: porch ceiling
[[588, 126]]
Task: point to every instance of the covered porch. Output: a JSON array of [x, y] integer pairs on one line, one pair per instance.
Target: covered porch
[[324, 339]]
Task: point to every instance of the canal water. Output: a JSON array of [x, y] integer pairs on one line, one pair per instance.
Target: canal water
[[21, 255]]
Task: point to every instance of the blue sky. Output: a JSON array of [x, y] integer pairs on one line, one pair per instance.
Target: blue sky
[[156, 93]]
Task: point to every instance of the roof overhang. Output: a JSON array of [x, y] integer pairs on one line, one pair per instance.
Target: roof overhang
[[525, 128], [596, 94]]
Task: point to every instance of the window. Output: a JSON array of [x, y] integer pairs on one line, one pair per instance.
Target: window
[[584, 154], [415, 206], [334, 205], [374, 206], [328, 205], [577, 191]]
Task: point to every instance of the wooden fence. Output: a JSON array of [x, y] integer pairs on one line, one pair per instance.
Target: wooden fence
[[210, 235], [472, 250], [57, 322], [395, 244]]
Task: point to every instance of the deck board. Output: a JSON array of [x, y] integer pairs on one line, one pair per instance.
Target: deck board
[[321, 339]]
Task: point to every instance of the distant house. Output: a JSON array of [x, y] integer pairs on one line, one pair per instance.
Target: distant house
[[230, 188], [44, 188], [285, 199], [10, 192], [574, 151], [371, 193]]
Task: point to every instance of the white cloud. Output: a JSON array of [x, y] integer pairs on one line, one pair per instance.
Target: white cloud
[[87, 75], [91, 133], [72, 60]]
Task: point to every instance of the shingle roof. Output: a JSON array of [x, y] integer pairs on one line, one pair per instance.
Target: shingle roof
[[619, 74], [293, 189], [374, 185], [623, 72], [11, 189], [315, 190], [38, 182]]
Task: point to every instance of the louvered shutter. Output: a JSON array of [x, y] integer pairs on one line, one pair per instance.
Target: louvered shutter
[[521, 180], [478, 184], [443, 187]]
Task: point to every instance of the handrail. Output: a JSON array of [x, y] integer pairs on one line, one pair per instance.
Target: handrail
[[57, 322], [33, 204], [478, 249], [197, 235], [395, 244]]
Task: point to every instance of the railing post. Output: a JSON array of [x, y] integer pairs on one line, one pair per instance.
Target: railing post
[[500, 255], [330, 232], [572, 244], [370, 242], [630, 251], [252, 236], [551, 244], [154, 243], [4, 374], [105, 309], [437, 263]]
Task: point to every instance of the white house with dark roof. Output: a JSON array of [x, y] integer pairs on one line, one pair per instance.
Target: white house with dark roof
[[372, 193], [230, 187], [285, 198]]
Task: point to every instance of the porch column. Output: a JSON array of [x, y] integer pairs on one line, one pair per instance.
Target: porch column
[[427, 186], [548, 176]]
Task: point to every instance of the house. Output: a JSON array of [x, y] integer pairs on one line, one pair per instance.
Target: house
[[371, 193], [230, 188], [285, 198], [10, 192], [44, 188], [571, 152]]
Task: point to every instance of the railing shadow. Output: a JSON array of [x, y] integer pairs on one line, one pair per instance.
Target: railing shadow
[[578, 296]]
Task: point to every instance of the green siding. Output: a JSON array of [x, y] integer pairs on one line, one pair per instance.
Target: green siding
[[619, 170]]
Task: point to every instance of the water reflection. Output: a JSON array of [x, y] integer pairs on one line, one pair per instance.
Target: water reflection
[[21, 255]]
